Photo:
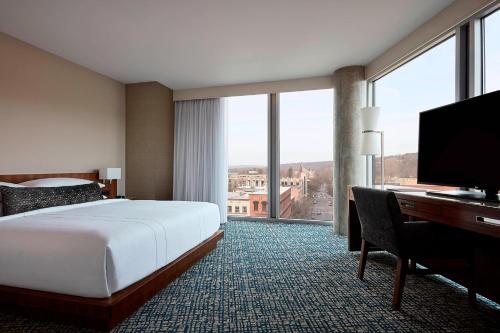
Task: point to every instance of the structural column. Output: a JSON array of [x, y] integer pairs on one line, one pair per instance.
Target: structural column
[[349, 86], [149, 141]]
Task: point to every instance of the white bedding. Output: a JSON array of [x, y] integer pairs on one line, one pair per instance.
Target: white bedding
[[98, 248]]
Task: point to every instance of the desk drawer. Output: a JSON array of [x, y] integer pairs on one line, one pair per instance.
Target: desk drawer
[[421, 207]]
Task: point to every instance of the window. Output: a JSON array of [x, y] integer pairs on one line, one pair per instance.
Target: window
[[247, 148], [491, 49], [425, 82], [229, 209], [306, 154]]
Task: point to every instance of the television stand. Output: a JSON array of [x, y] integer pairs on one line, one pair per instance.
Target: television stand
[[470, 195]]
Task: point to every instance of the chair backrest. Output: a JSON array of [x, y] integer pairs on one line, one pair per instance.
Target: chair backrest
[[380, 217]]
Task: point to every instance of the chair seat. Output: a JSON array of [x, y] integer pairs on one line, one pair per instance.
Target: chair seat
[[429, 240]]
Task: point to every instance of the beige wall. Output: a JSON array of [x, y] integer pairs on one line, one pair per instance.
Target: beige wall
[[446, 20], [56, 116], [150, 141]]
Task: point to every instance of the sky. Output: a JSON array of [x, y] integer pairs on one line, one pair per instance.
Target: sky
[[492, 51], [426, 82], [306, 128]]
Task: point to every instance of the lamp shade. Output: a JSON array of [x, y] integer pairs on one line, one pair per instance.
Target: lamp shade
[[110, 173], [370, 143], [369, 118]]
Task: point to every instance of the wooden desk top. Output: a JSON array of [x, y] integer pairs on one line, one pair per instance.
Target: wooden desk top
[[472, 215]]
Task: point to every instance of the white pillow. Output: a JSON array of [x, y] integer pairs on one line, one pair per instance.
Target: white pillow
[[11, 184], [54, 182]]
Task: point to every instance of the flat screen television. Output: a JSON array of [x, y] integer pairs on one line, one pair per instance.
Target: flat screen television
[[459, 145]]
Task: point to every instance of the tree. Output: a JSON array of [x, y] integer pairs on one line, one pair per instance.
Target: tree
[[330, 189], [302, 209]]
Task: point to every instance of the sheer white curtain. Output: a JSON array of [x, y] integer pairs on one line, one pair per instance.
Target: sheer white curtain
[[200, 152]]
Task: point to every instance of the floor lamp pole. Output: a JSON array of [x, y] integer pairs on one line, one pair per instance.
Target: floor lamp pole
[[367, 172], [382, 160]]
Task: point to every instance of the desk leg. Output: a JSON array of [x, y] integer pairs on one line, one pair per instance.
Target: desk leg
[[413, 266]]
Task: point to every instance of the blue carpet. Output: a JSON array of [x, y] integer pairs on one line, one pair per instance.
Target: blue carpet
[[293, 278]]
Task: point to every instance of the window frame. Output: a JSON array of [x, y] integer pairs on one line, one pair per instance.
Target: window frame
[[469, 65], [272, 208], [480, 22]]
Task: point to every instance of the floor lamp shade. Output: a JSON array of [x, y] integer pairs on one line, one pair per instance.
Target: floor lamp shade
[[372, 139], [369, 118], [370, 143]]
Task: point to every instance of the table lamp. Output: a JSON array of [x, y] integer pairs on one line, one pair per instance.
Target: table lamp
[[109, 174]]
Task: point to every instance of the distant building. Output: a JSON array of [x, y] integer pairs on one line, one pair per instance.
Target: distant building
[[256, 204], [407, 181], [238, 204], [246, 181], [248, 193], [259, 203], [252, 180]]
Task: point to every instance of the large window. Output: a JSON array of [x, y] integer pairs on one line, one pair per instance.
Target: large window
[[247, 155], [306, 154], [491, 67], [425, 82]]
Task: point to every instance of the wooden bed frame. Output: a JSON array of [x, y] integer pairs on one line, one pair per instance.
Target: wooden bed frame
[[97, 313], [111, 187]]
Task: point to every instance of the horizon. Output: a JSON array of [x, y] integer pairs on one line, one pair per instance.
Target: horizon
[[311, 162]]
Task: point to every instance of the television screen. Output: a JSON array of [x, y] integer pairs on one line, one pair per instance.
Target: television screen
[[459, 144]]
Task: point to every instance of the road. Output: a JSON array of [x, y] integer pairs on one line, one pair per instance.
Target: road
[[322, 205]]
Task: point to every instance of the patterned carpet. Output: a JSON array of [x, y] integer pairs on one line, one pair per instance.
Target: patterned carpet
[[293, 278]]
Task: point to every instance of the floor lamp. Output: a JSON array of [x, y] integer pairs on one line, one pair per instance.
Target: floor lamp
[[372, 139]]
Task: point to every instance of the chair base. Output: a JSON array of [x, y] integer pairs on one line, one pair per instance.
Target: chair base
[[401, 271], [406, 266]]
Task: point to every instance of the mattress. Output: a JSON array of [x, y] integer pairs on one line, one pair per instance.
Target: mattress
[[98, 248]]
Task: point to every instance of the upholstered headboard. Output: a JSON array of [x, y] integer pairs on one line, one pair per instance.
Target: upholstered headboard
[[94, 176]]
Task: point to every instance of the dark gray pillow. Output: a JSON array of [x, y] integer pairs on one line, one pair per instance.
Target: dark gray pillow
[[17, 200]]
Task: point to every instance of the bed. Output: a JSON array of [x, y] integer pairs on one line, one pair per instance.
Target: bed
[[94, 263]]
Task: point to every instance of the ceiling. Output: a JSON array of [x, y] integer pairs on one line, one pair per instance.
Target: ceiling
[[200, 43]]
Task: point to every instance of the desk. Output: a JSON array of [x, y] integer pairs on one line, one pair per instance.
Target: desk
[[481, 219]]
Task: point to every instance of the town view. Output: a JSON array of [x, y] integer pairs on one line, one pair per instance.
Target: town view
[[306, 190]]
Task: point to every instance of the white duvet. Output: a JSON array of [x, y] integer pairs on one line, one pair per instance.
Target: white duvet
[[96, 249]]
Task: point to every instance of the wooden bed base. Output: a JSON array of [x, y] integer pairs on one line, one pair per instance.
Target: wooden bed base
[[102, 313]]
